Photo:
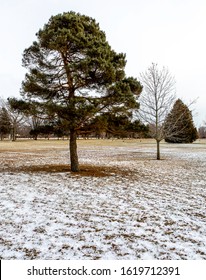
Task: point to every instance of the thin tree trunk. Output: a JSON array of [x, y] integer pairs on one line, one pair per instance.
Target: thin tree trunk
[[158, 149], [73, 151], [13, 133]]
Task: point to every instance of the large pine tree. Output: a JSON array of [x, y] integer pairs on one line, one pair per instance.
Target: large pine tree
[[74, 73], [179, 126]]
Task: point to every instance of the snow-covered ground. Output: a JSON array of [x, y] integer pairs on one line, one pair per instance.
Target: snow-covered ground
[[124, 205]]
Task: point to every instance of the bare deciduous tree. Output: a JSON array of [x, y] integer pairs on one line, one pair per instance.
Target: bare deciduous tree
[[156, 100], [16, 118], [202, 131]]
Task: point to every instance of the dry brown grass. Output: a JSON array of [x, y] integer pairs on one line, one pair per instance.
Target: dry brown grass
[[26, 156], [64, 144], [23, 156], [85, 170], [39, 156]]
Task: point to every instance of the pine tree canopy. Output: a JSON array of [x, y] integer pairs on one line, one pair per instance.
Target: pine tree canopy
[[179, 126], [74, 71]]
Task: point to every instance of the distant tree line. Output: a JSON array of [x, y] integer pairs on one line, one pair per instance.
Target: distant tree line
[[21, 119], [18, 119]]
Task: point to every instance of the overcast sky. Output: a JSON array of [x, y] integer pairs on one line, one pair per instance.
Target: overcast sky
[[168, 32]]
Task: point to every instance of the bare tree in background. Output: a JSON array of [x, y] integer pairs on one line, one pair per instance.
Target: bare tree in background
[[202, 130], [156, 101], [16, 117]]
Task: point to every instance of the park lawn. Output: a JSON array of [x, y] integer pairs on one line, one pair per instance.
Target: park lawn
[[123, 204]]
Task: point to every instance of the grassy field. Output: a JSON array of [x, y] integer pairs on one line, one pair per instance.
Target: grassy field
[[123, 204]]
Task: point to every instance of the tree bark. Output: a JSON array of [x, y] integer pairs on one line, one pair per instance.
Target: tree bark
[[73, 151], [158, 149]]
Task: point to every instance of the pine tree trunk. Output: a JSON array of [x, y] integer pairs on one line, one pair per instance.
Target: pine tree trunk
[[158, 149], [73, 151]]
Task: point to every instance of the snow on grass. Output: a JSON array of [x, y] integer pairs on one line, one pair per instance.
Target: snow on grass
[[136, 208]]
